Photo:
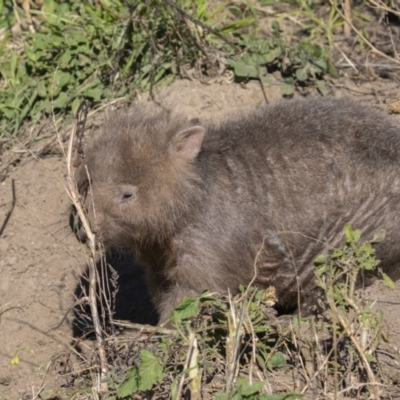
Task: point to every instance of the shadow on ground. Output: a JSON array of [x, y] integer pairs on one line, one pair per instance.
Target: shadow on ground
[[125, 296]]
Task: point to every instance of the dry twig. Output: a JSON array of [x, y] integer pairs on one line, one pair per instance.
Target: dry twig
[[79, 123]]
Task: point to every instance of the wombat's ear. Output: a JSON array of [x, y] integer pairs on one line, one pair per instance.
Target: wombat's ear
[[187, 143]]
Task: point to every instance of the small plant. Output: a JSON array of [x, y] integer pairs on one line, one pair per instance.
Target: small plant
[[143, 377], [244, 390], [300, 62], [352, 321]]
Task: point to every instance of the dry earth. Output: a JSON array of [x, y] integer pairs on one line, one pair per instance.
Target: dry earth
[[40, 260]]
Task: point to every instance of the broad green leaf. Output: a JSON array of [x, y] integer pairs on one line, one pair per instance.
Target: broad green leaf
[[41, 88], [95, 93], [287, 89], [243, 70], [130, 385], [64, 61], [301, 74], [277, 361], [60, 101], [150, 370], [320, 64], [188, 308], [58, 81], [272, 55], [49, 6], [248, 390]]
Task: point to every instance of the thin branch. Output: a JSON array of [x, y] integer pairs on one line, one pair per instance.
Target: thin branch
[[77, 131]]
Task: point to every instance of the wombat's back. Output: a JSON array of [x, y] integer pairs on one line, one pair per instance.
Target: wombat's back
[[307, 125], [290, 176]]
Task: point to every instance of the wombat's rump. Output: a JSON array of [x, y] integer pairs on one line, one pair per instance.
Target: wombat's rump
[[196, 203]]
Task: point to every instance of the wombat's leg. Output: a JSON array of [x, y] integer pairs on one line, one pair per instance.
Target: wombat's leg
[[171, 298], [165, 294]]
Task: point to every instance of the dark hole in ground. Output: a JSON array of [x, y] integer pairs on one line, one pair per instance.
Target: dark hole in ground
[[130, 302]]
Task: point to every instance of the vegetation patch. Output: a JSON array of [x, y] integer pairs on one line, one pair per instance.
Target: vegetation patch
[[54, 54]]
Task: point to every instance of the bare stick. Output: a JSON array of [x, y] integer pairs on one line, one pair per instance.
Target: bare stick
[[91, 240], [347, 13]]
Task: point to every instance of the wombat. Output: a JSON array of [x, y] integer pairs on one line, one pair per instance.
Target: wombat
[[202, 206]]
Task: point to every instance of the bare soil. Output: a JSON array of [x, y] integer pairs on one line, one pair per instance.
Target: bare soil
[[41, 261]]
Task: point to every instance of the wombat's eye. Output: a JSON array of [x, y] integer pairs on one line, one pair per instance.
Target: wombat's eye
[[126, 193]]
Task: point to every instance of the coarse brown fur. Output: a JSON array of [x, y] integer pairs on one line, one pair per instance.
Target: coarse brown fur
[[196, 203]]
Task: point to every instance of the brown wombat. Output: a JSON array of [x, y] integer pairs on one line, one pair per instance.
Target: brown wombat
[[196, 203]]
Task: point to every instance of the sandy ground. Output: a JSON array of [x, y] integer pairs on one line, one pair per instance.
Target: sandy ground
[[40, 259]]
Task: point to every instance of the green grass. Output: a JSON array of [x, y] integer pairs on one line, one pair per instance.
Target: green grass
[[107, 50], [110, 49]]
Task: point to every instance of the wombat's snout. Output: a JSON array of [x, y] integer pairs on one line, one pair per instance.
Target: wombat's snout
[[75, 224]]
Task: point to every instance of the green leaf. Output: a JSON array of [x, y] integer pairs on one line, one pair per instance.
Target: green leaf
[[287, 396], [58, 81], [130, 385], [276, 29], [301, 74], [238, 24], [95, 93], [287, 89], [31, 55], [277, 361], [187, 309], [64, 61], [388, 281], [320, 64], [243, 70], [221, 396], [320, 260], [332, 70], [150, 370], [41, 89], [60, 101], [349, 234], [272, 55], [248, 390], [321, 86]]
